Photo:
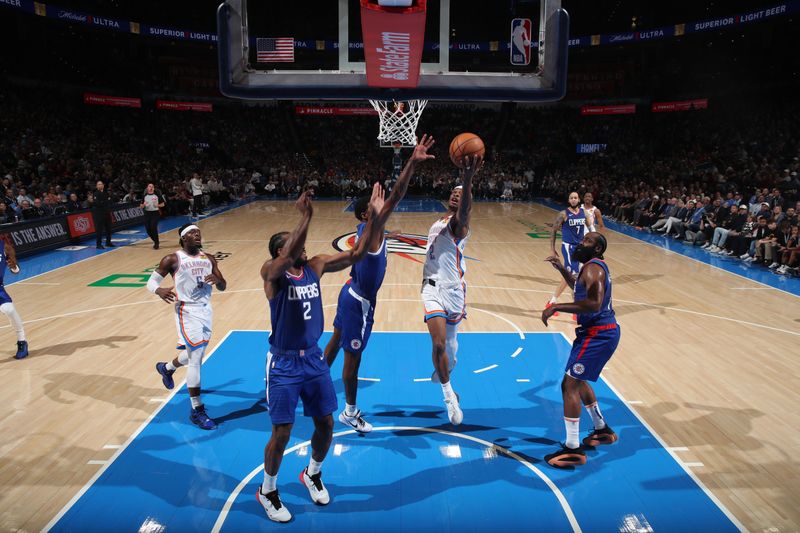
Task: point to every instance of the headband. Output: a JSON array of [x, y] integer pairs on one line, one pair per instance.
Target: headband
[[189, 228]]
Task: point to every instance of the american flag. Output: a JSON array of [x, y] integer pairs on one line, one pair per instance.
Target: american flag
[[275, 49]]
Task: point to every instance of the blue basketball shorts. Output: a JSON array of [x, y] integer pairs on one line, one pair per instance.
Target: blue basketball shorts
[[591, 350], [355, 316], [570, 264], [302, 374], [4, 297]]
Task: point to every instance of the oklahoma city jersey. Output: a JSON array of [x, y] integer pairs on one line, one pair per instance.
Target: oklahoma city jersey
[[189, 278], [590, 218], [444, 257]]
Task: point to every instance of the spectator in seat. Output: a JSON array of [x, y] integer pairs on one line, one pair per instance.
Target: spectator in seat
[[790, 256], [73, 204], [721, 231]]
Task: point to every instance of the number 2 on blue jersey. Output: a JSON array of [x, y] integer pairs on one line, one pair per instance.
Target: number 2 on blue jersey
[[306, 310]]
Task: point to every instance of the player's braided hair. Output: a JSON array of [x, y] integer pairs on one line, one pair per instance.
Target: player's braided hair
[[276, 242]]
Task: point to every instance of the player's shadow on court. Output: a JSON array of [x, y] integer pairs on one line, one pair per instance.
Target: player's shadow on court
[[112, 389], [507, 310], [635, 278], [534, 279], [621, 309], [258, 407], [69, 348]]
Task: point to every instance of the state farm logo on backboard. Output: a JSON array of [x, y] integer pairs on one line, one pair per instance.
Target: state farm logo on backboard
[[80, 224], [402, 244]]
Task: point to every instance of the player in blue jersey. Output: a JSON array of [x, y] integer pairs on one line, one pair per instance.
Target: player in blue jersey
[[296, 367], [356, 308], [8, 257], [572, 223], [597, 337]]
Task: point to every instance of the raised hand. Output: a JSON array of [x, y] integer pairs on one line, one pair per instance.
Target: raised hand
[[303, 203], [471, 166], [377, 200], [421, 150]]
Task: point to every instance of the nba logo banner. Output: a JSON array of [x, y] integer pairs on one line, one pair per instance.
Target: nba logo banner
[[521, 42]]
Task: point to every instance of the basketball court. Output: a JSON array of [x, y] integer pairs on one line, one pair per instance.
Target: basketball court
[[93, 434], [699, 390]]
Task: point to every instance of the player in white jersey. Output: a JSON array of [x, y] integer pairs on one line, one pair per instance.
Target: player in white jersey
[[443, 286], [194, 273], [594, 218]]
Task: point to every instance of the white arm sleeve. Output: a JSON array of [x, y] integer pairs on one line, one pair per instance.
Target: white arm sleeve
[[154, 281]]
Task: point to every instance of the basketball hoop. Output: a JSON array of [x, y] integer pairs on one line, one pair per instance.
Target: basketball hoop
[[398, 123]]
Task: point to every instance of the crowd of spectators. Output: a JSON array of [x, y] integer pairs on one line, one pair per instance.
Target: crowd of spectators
[[725, 179], [727, 182]]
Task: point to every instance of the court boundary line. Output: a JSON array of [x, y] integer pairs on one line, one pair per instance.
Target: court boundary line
[[519, 331], [118, 248], [78, 495], [735, 521], [688, 257], [565, 506]]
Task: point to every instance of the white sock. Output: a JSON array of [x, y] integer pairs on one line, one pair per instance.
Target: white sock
[[597, 417], [313, 467], [573, 430], [16, 322], [195, 401], [171, 367], [350, 410], [269, 484], [553, 299], [447, 389]]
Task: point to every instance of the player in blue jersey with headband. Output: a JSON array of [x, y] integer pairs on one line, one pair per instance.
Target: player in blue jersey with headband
[[356, 308], [597, 337], [296, 367]]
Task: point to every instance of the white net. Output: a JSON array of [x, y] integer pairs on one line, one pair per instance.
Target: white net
[[398, 121]]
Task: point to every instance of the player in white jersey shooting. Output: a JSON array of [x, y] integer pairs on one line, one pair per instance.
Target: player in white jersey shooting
[[443, 286], [194, 273]]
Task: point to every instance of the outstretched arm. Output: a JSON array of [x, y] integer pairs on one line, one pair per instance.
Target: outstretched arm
[[336, 262], [556, 224], [294, 245], [459, 224], [593, 277], [420, 155], [568, 276], [11, 256]]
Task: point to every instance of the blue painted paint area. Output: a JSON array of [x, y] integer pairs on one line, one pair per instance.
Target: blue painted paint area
[[414, 205], [44, 262], [178, 476], [729, 264]]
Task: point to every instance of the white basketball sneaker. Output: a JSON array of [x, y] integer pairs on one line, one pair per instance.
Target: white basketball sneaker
[[319, 494], [271, 502], [356, 421], [454, 412]]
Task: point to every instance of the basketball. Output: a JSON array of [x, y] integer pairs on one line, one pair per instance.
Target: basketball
[[465, 145]]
